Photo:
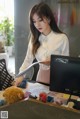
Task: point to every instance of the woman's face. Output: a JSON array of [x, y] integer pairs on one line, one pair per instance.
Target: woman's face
[[42, 25]]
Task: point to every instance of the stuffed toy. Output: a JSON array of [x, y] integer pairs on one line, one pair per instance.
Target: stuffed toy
[[13, 94]]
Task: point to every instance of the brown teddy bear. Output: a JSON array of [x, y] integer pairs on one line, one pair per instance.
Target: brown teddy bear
[[13, 94]]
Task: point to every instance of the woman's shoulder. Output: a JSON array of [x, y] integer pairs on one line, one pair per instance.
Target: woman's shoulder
[[61, 35], [64, 37]]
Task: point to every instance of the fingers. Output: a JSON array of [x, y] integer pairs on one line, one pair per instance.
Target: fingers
[[46, 62], [17, 81], [13, 83]]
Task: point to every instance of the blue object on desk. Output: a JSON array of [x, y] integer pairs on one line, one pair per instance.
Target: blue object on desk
[[23, 83], [2, 102], [50, 99]]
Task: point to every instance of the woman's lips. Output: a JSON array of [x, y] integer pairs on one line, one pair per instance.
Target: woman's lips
[[39, 29]]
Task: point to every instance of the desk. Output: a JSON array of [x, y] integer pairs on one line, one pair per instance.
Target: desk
[[33, 109]]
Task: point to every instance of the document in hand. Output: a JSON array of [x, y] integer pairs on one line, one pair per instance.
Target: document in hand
[[24, 72]]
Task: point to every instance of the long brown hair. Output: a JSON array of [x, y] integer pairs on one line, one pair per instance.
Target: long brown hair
[[41, 10]]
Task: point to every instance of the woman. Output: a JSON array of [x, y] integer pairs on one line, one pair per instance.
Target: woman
[[46, 39]]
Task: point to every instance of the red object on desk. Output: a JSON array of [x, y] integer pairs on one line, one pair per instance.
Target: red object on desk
[[43, 97]]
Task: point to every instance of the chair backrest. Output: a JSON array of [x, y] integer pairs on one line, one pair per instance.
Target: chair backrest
[[5, 78], [36, 68], [4, 56]]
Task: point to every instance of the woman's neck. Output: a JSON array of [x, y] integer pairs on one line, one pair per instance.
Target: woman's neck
[[47, 32]]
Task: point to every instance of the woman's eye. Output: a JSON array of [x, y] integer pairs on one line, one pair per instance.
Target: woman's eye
[[34, 21], [40, 19]]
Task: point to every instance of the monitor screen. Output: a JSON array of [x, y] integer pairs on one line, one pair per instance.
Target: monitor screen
[[65, 74]]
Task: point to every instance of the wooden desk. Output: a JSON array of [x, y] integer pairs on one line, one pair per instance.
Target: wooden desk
[[34, 109]]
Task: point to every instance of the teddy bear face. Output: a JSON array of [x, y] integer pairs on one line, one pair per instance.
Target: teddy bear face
[[13, 94]]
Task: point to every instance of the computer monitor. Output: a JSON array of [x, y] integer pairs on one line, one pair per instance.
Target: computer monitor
[[65, 74]]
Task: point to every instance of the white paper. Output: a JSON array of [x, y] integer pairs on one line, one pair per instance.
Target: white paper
[[37, 88]]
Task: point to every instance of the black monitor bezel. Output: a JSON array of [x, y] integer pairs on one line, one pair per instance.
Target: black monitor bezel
[[77, 59]]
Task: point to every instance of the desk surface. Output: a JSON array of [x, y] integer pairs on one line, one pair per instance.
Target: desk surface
[[31, 109], [35, 108]]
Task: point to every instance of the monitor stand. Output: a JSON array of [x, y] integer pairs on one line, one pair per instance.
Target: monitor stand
[[69, 99]]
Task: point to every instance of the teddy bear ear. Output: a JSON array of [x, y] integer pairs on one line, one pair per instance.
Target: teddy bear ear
[[4, 94], [20, 96]]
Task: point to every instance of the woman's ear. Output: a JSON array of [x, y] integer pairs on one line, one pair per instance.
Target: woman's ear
[[49, 20]]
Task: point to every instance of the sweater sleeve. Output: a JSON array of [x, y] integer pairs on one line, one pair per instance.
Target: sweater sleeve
[[28, 59], [65, 46]]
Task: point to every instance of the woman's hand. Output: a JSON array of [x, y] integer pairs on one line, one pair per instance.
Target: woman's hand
[[18, 81], [46, 62]]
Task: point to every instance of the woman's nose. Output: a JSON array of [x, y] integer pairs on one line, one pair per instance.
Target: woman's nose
[[37, 24]]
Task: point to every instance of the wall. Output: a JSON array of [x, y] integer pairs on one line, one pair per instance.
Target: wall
[[67, 15], [21, 13]]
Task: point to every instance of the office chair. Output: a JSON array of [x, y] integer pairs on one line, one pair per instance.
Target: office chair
[[36, 68], [5, 78]]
